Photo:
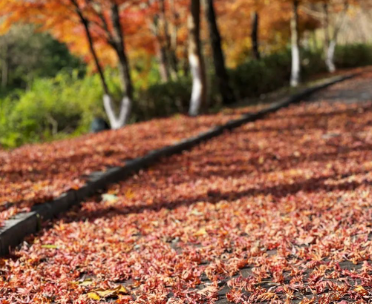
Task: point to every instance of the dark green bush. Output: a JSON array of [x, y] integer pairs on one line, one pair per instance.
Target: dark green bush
[[355, 55], [162, 99], [254, 78]]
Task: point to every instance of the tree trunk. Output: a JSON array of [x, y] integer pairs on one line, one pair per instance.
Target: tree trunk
[[222, 76], [170, 55], [115, 122], [329, 45], [199, 84], [254, 35], [119, 42], [125, 108], [161, 51], [295, 46], [330, 56], [163, 64], [331, 41], [124, 71], [174, 39], [92, 49]]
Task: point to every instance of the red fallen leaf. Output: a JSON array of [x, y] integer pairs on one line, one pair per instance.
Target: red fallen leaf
[[360, 289], [305, 241], [235, 296], [267, 296]]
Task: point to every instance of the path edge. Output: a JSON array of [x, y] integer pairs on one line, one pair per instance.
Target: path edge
[[23, 224]]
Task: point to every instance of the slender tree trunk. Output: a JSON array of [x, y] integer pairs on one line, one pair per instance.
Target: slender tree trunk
[[326, 25], [199, 84], [119, 42], [329, 45], [124, 71], [161, 51], [222, 76], [254, 35], [170, 55], [330, 56], [331, 41], [115, 122], [174, 39], [163, 64], [295, 46], [92, 50]]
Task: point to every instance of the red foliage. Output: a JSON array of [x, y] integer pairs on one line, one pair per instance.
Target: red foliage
[[36, 173], [280, 209]]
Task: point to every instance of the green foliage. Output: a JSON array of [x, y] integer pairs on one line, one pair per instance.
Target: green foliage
[[65, 105], [162, 99], [256, 77], [354, 55], [29, 55], [272, 72], [55, 106]]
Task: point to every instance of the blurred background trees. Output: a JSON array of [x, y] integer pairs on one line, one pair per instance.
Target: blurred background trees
[[152, 58], [26, 55]]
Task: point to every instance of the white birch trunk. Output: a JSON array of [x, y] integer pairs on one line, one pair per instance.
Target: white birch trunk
[[331, 42], [296, 66], [295, 48], [330, 57], [197, 85], [197, 68], [125, 107]]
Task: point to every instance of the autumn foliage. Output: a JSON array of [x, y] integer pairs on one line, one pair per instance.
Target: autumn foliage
[[119, 32], [277, 211], [34, 174], [144, 27]]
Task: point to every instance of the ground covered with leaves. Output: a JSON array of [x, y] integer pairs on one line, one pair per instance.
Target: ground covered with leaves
[[34, 174], [278, 211]]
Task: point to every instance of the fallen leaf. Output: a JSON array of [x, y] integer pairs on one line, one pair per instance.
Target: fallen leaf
[[94, 296], [109, 198], [201, 232], [49, 246]]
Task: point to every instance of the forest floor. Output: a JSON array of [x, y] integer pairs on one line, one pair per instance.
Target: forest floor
[[277, 211]]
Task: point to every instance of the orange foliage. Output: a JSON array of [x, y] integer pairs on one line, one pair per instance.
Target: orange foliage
[[234, 17]]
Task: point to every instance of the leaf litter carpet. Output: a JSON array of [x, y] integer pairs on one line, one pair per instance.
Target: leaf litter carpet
[[278, 211], [33, 174]]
